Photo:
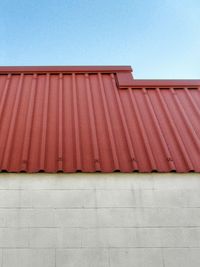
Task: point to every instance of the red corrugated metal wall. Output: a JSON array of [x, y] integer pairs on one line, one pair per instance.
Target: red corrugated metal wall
[[84, 122]]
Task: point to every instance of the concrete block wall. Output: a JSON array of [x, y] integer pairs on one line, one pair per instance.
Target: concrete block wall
[[100, 220]]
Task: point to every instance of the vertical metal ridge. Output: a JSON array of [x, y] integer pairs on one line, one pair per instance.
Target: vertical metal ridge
[[10, 136], [76, 124], [175, 131], [124, 123], [3, 98], [44, 123], [187, 121], [159, 130], [28, 124], [92, 124], [108, 122], [142, 130], [60, 123], [196, 108], [2, 104]]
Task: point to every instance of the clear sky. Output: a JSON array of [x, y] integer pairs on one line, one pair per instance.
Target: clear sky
[[158, 38]]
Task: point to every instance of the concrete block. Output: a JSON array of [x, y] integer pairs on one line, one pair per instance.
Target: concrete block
[[117, 217], [63, 198], [15, 198], [115, 198], [148, 198], [82, 257], [28, 258], [10, 181], [184, 257], [158, 198], [148, 217], [42, 237], [14, 238], [135, 257], [9, 198], [41, 217], [127, 217], [27, 217], [69, 237], [141, 237], [46, 181], [76, 181], [171, 198], [180, 237], [109, 237], [120, 237], [181, 181], [13, 217], [76, 217], [157, 217]]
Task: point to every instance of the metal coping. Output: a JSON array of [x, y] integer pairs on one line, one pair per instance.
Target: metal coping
[[56, 69]]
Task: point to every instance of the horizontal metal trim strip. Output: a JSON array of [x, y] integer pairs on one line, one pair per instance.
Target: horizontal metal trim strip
[[161, 83], [55, 69]]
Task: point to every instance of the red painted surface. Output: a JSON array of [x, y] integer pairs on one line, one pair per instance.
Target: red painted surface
[[81, 119], [65, 69], [124, 83]]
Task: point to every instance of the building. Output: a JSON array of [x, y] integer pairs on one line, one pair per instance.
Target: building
[[136, 143]]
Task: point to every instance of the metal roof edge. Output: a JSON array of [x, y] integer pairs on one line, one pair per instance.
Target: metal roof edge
[[158, 83], [55, 69]]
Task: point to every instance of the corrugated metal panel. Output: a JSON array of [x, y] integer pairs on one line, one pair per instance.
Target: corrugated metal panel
[[59, 119]]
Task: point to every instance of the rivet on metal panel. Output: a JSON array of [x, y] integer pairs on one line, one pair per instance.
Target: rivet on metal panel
[[169, 159], [134, 159]]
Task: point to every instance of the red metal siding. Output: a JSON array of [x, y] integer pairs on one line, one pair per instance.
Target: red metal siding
[[79, 119]]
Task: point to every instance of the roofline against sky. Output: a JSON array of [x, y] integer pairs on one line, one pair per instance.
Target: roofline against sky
[[124, 75], [25, 69]]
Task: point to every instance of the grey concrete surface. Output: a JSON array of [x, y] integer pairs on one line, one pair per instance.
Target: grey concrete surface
[[100, 220]]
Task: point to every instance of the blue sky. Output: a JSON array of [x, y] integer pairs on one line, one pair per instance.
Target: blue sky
[[158, 38]]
